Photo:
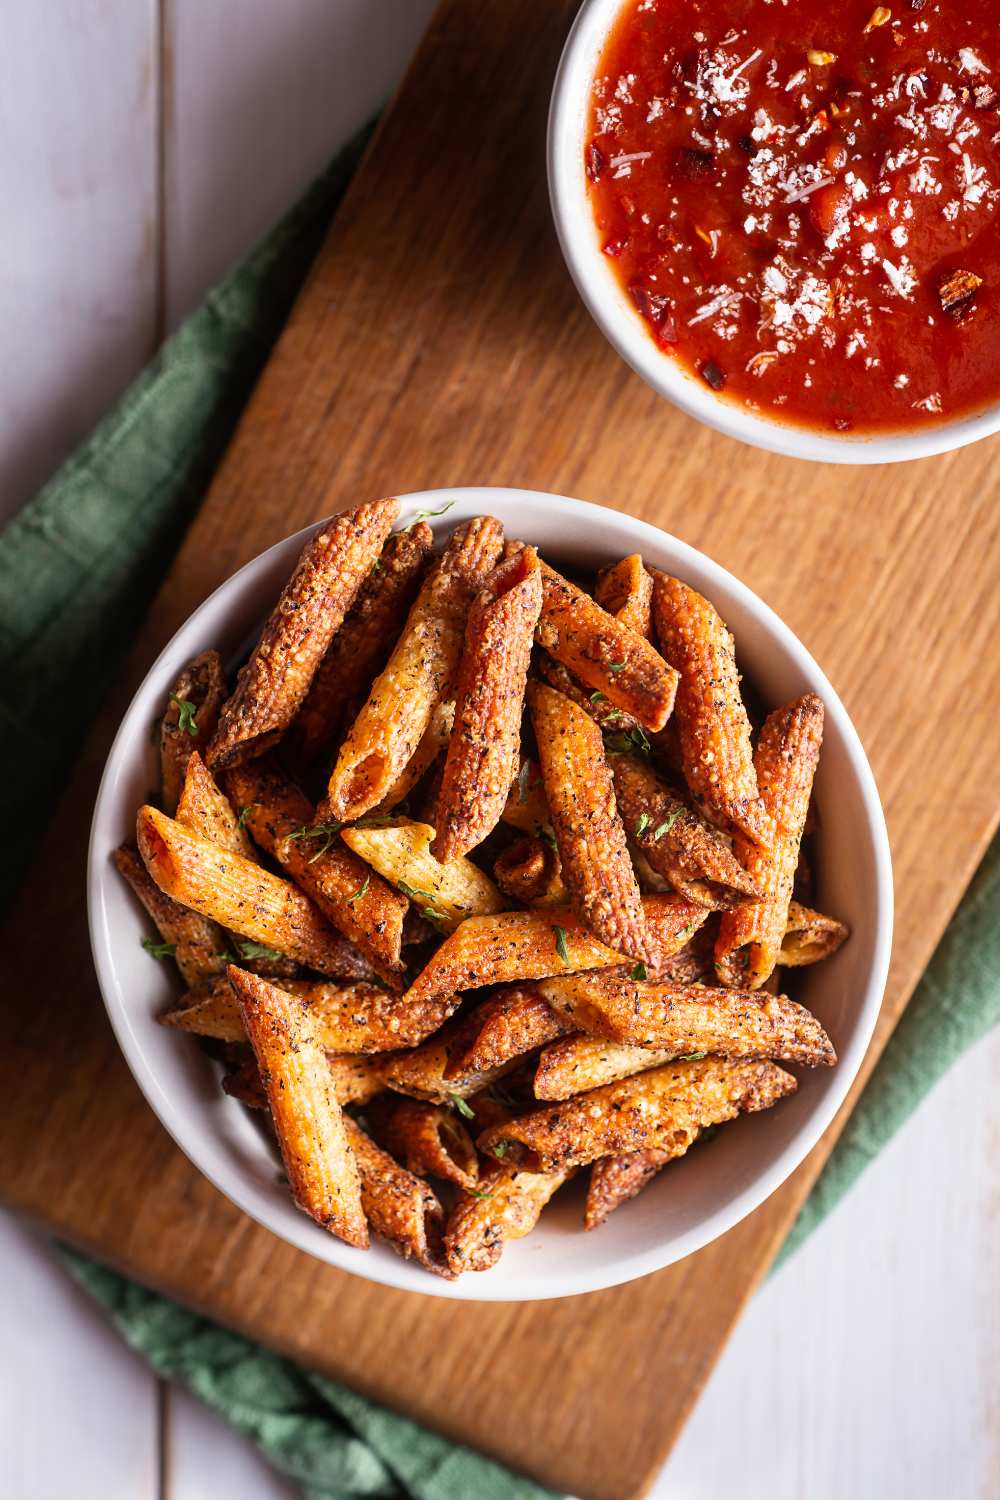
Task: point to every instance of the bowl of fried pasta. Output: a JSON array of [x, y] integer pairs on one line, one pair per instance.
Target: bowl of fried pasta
[[490, 894]]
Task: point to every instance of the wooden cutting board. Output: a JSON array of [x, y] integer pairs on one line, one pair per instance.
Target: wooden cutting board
[[439, 342]]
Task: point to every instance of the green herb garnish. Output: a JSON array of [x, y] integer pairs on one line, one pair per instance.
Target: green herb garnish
[[616, 666], [692, 1056], [360, 891], [666, 826], [501, 1148], [425, 515], [159, 950], [561, 948], [477, 1192], [641, 824], [639, 972], [598, 697], [241, 821], [522, 781], [639, 739], [464, 1109], [430, 915], [686, 932], [186, 711], [251, 950], [326, 832], [413, 893]]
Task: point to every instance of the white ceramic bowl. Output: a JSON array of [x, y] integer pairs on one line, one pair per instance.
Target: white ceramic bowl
[[616, 315], [697, 1198]]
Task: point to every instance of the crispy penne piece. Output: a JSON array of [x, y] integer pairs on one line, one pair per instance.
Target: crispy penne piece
[[399, 1206], [588, 830], [484, 748], [308, 1120], [239, 895], [199, 944], [208, 811], [690, 1018], [242, 1081], [625, 590], [189, 721], [665, 1107], [421, 1071], [749, 942], [445, 894], [505, 1206], [809, 936], [346, 1018], [355, 1080], [616, 1179], [519, 945], [603, 653], [432, 745], [361, 647], [419, 675], [272, 686], [355, 900], [679, 844], [574, 1064], [509, 1024], [427, 1138], [526, 808], [530, 871], [711, 719]]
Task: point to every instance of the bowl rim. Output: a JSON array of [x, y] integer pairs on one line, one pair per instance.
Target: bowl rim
[[622, 325], [389, 1270]]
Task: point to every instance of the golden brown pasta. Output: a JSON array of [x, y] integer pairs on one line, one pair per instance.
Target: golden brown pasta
[[346, 1018], [750, 938], [519, 945], [690, 1018], [429, 1139], [239, 895], [353, 897], [189, 721], [625, 590], [298, 632], [208, 811], [526, 808], [308, 1120], [445, 894], [355, 1079], [665, 1107], [198, 945], [616, 1179], [484, 747], [809, 936], [588, 830], [419, 675], [530, 871], [420, 1072], [362, 645], [509, 1024], [399, 1206], [604, 653], [712, 721], [505, 1206], [575, 1064], [678, 843]]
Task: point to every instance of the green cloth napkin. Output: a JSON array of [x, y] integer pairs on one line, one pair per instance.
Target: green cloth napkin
[[77, 568]]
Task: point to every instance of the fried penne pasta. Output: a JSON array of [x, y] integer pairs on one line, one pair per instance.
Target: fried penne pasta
[[690, 1018], [353, 898], [197, 944], [419, 675], [445, 894], [239, 895], [485, 743], [362, 645], [421, 1071], [519, 945], [432, 745], [588, 830], [208, 811], [616, 1179], [242, 1081], [189, 721], [712, 721], [505, 1206], [665, 1107], [678, 843], [750, 937], [509, 1024], [355, 1079], [308, 1120], [530, 871], [526, 808], [604, 653], [346, 1018], [809, 936], [625, 590], [427, 1138], [398, 1206], [272, 686], [575, 1064]]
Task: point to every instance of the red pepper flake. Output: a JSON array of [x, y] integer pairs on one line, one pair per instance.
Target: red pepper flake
[[711, 374], [957, 292], [614, 248], [595, 162], [657, 310]]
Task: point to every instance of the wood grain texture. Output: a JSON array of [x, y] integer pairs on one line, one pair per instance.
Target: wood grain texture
[[438, 342]]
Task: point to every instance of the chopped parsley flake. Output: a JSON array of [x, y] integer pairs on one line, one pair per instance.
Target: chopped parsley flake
[[464, 1109], [360, 891], [159, 950], [186, 711], [666, 826], [642, 823], [561, 948], [640, 972], [425, 515]]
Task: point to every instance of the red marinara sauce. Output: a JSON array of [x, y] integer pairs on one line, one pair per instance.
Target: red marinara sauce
[[803, 200]]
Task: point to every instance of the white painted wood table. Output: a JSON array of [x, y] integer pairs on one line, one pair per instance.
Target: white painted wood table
[[142, 148]]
